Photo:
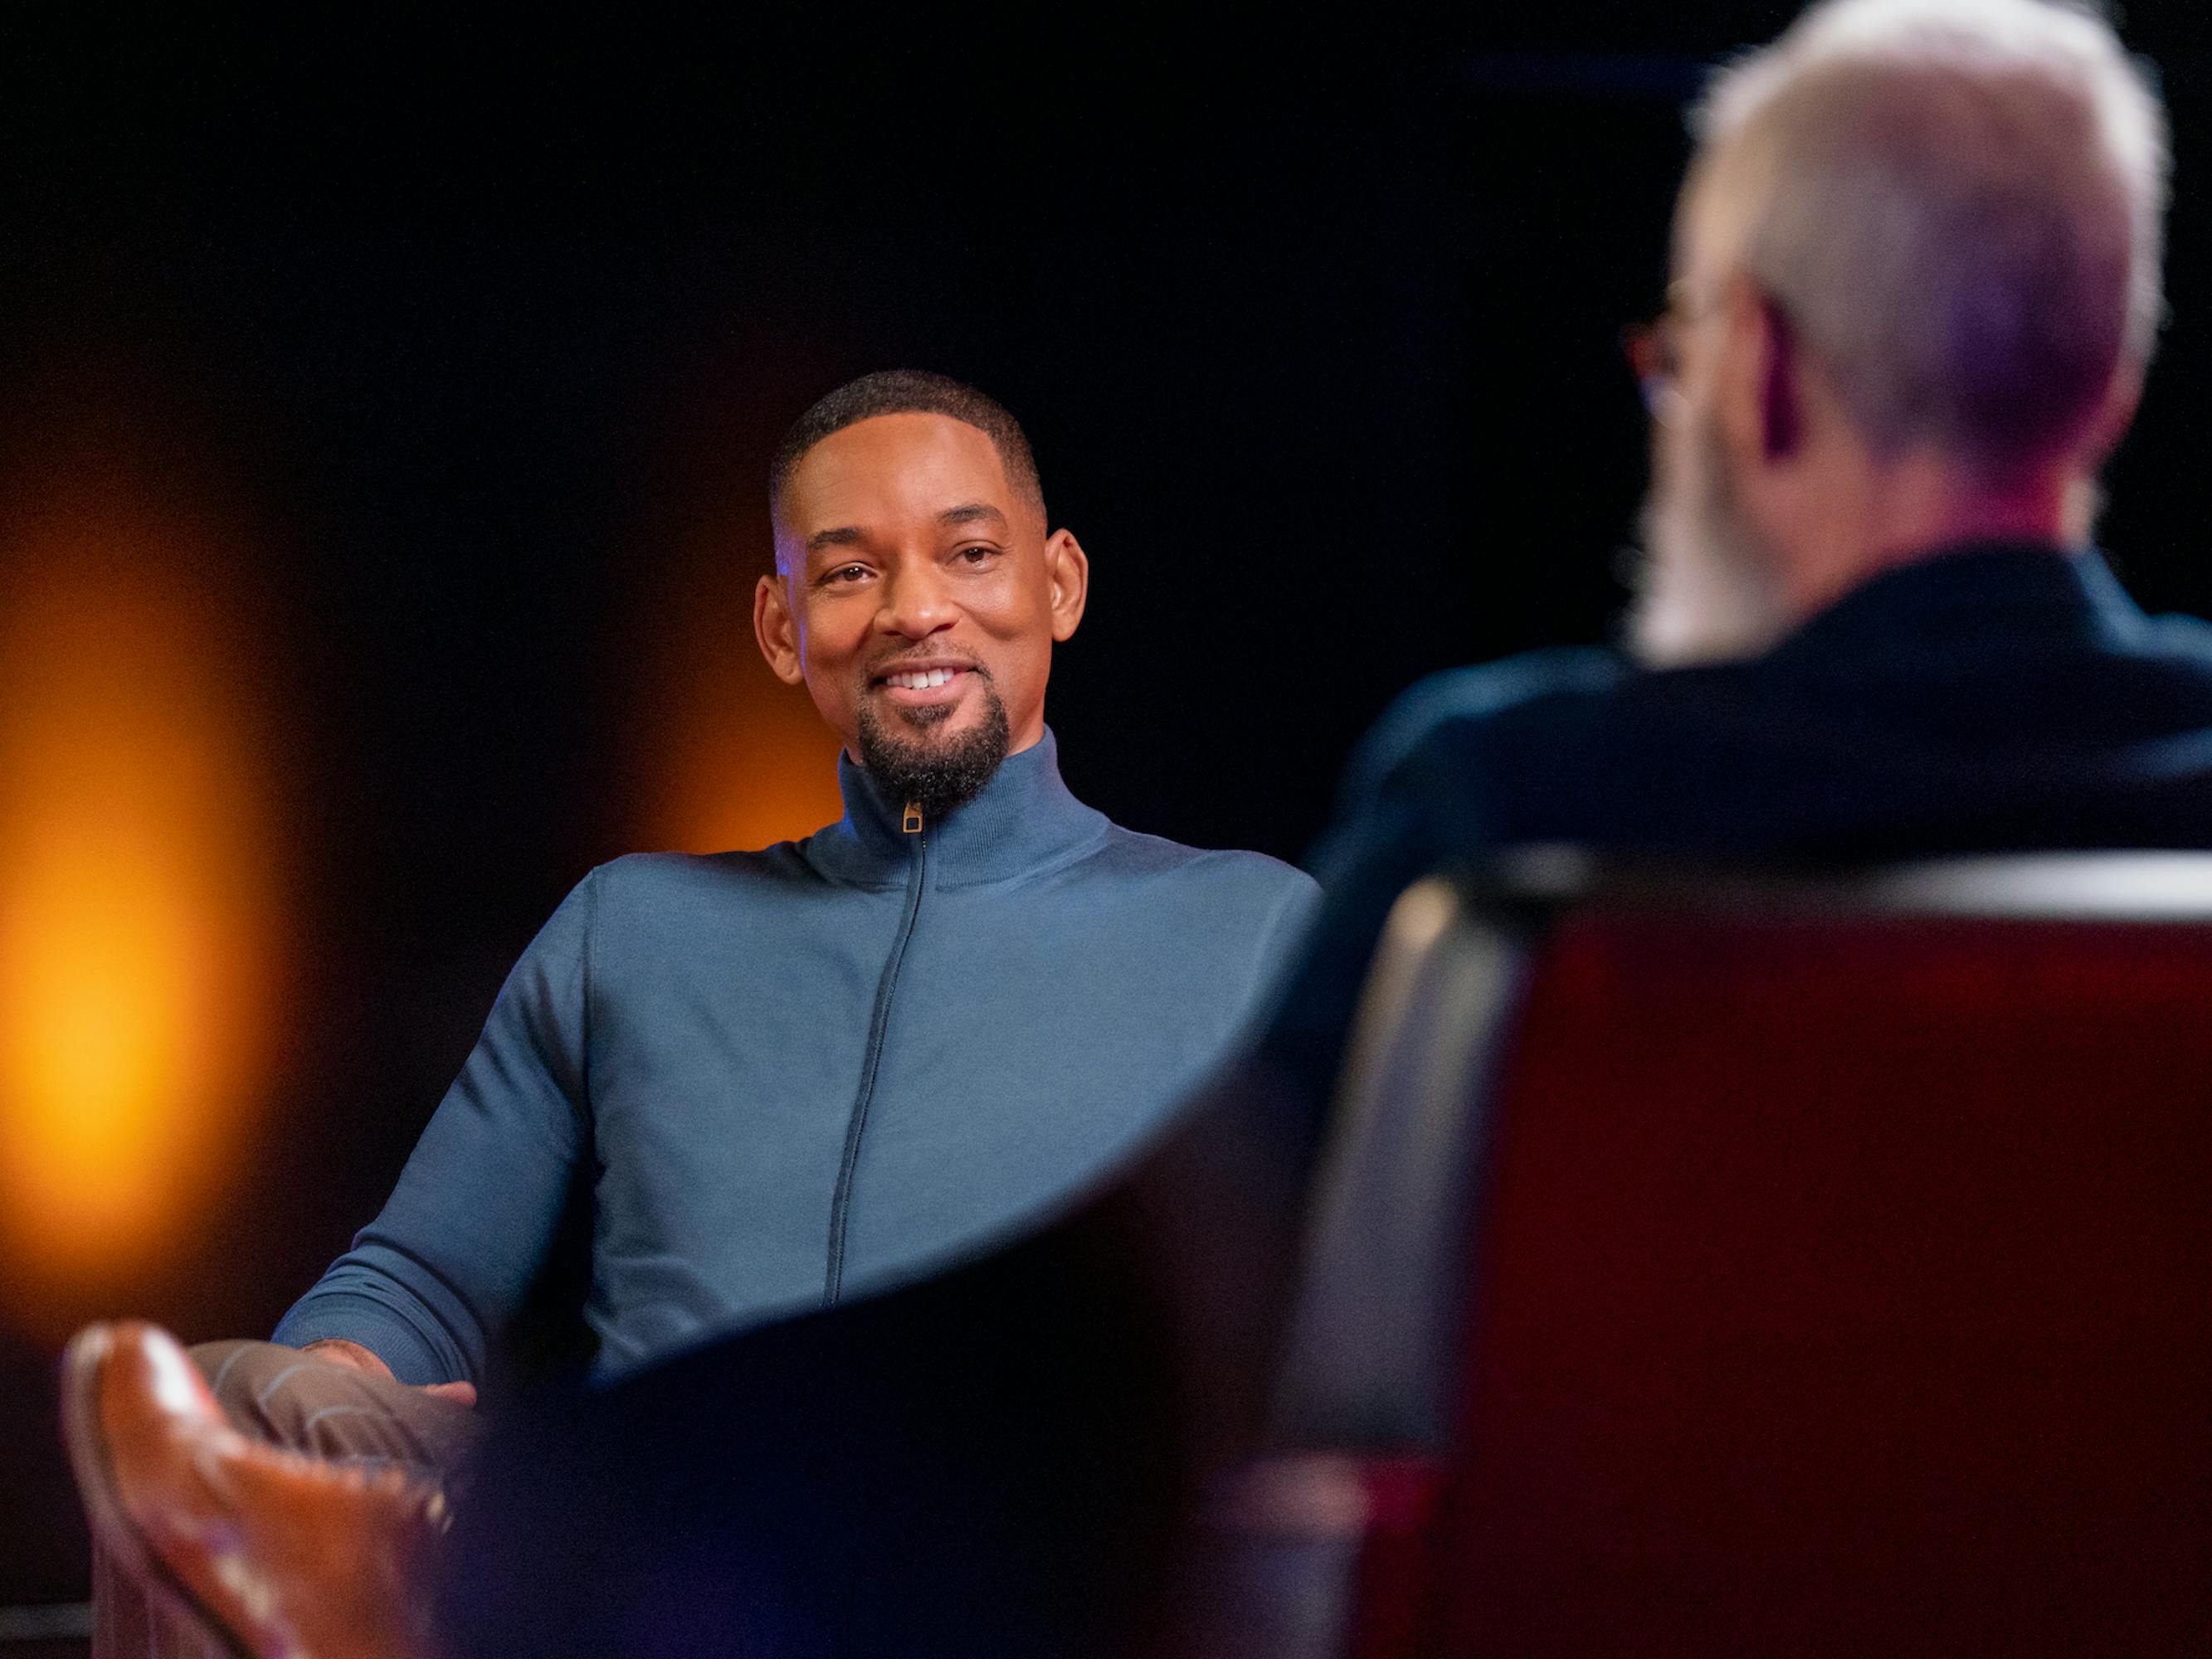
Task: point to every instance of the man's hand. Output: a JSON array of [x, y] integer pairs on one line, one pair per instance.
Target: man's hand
[[337, 1351]]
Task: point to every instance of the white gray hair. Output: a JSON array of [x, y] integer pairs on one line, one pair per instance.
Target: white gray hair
[[1960, 205]]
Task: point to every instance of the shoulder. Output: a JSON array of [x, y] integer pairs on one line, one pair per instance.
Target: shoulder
[[2185, 641], [1540, 693], [646, 874], [653, 888], [1129, 853], [1230, 894], [1235, 911]]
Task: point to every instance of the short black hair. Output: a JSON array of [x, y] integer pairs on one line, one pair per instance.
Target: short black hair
[[907, 392]]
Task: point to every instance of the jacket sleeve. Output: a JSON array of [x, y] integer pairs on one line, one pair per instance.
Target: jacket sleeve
[[429, 1283]]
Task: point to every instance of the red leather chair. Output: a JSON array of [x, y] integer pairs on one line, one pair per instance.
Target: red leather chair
[[1720, 1265]]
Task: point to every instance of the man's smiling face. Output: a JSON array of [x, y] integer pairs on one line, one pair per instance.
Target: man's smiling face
[[917, 594]]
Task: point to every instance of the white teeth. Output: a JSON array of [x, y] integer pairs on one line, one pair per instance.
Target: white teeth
[[920, 682]]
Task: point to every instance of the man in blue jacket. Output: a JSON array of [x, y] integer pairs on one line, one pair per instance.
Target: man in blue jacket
[[782, 1078], [793, 1074]]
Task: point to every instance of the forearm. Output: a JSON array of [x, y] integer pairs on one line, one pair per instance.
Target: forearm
[[376, 1299], [337, 1351]]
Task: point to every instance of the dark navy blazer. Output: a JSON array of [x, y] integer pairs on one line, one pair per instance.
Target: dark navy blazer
[[1991, 698]]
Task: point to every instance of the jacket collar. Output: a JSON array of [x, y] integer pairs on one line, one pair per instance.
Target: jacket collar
[[2021, 589], [1025, 820]]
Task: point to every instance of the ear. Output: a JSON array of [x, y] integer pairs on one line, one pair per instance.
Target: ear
[[1067, 568], [1781, 401], [2112, 419], [1757, 392], [776, 629]]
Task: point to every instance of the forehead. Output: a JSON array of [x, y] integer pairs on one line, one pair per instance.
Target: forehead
[[894, 470]]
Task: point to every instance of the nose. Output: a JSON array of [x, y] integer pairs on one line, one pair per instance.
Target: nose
[[915, 600]]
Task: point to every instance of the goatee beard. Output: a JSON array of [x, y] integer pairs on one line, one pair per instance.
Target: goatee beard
[[934, 775]]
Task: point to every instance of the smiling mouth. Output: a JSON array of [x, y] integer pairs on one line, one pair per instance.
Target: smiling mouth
[[927, 680]]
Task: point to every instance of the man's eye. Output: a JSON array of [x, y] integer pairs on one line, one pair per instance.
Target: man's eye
[[845, 573], [975, 555]]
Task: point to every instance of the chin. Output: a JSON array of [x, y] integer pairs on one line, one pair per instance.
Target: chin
[[1707, 586], [935, 755], [1694, 606], [931, 720]]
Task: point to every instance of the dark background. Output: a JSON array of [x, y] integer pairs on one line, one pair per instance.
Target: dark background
[[480, 334]]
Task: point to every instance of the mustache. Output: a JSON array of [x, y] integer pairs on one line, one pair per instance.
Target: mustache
[[903, 662]]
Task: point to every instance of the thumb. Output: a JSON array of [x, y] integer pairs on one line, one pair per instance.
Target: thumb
[[463, 1393]]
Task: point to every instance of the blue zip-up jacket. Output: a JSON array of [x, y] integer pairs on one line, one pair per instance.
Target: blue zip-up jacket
[[795, 1074]]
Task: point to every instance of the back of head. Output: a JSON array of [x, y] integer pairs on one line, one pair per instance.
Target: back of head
[[1958, 206]]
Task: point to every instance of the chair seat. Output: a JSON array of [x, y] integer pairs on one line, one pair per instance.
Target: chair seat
[[1834, 1270]]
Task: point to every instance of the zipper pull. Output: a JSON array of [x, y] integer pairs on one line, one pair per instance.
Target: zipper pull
[[912, 823]]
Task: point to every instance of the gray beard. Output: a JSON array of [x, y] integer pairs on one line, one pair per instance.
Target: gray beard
[[1706, 586], [911, 769]]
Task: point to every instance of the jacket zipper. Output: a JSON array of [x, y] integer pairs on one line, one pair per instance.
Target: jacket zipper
[[841, 1207]]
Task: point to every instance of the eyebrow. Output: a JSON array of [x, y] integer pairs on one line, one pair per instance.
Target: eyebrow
[[952, 517], [972, 512], [842, 536]]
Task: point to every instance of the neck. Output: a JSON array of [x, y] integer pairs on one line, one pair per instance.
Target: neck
[[1023, 819], [1877, 515]]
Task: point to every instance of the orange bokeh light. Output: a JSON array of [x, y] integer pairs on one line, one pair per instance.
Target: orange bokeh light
[[746, 760], [136, 916], [720, 754], [734, 758]]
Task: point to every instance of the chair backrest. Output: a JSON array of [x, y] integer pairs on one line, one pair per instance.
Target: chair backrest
[[1837, 1262]]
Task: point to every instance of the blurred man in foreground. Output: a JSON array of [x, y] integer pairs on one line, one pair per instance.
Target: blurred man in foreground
[[1917, 286], [1915, 289]]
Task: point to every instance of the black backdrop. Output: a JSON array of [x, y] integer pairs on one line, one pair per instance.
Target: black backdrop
[[472, 327]]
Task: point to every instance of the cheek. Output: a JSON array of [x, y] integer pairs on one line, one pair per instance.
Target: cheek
[[1014, 607], [830, 635], [1683, 445], [1021, 623]]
